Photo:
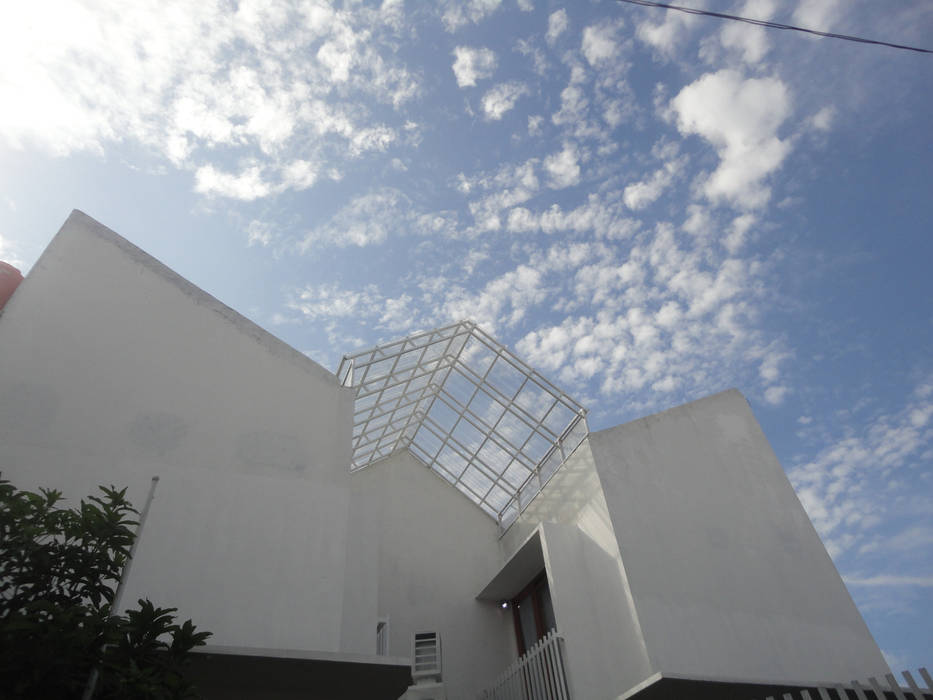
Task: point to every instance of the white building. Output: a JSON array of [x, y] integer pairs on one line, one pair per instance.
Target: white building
[[315, 523]]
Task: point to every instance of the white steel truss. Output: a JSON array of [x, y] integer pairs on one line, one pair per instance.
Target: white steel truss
[[466, 407]]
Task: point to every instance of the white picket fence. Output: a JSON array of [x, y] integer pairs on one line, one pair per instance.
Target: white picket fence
[[539, 674], [872, 690]]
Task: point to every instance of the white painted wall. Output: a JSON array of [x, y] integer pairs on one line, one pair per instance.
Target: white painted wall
[[589, 586], [114, 369], [728, 576], [430, 550]]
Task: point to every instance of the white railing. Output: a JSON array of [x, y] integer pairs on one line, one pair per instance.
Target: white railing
[[539, 674], [872, 690]]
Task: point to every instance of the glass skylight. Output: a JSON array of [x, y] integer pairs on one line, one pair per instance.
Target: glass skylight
[[466, 407]]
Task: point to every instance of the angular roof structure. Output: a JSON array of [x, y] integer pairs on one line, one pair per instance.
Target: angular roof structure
[[469, 409]]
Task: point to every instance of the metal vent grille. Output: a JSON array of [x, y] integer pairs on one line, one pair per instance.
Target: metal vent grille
[[426, 656]]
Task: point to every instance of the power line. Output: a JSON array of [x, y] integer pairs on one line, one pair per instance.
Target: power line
[[772, 25]]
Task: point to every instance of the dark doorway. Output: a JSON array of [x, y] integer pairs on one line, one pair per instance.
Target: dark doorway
[[533, 613]]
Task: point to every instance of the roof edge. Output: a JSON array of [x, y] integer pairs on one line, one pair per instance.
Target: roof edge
[[78, 221]]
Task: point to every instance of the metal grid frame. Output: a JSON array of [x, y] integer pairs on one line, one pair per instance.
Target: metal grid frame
[[468, 408]]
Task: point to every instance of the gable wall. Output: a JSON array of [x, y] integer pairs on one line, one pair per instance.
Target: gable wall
[[113, 369], [427, 551], [592, 602], [729, 578]]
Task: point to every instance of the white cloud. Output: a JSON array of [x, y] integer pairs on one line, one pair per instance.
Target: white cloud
[[775, 395], [8, 253], [508, 187], [750, 41], [329, 301], [375, 138], [741, 118], [370, 219], [299, 174], [599, 44], [602, 218], [366, 220], [502, 98], [910, 539], [507, 176], [823, 119], [639, 195], [398, 314], [525, 5], [614, 112], [770, 367], [471, 65], [667, 314], [557, 24], [504, 300], [529, 48], [738, 232], [652, 315], [840, 486], [247, 185], [818, 14], [339, 56], [259, 233], [573, 106], [667, 36], [257, 83], [458, 13], [563, 167]]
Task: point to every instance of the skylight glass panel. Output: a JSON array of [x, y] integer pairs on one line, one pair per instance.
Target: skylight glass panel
[[466, 407], [505, 377]]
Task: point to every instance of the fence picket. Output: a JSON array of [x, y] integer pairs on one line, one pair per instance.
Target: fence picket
[[561, 675], [538, 674], [536, 671], [546, 669], [915, 689], [926, 677], [879, 692], [872, 688], [541, 674], [895, 686]]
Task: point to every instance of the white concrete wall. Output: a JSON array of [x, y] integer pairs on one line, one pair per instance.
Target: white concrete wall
[[592, 602], [113, 369], [430, 551], [728, 576]]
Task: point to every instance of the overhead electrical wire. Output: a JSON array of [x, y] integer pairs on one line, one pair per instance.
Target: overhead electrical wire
[[772, 25]]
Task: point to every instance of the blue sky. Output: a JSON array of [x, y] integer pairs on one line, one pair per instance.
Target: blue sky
[[648, 206]]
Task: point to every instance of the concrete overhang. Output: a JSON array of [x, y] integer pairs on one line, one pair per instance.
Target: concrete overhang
[[521, 568]]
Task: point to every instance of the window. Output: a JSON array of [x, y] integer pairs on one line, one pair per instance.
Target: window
[[533, 613], [382, 637]]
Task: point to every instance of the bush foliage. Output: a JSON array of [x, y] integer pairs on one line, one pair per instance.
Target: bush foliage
[[59, 571]]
